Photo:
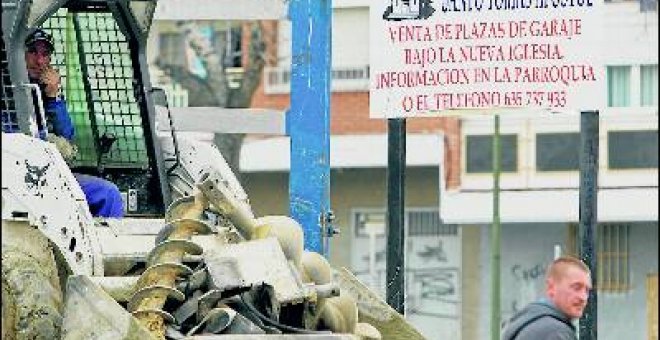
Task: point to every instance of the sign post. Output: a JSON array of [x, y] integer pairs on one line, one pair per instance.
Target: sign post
[[489, 57], [396, 232], [308, 120], [495, 239], [588, 215]]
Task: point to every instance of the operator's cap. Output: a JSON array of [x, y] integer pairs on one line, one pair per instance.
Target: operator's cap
[[40, 35]]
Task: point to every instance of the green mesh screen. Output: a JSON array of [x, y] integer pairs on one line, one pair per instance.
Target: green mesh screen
[[92, 56], [7, 102]]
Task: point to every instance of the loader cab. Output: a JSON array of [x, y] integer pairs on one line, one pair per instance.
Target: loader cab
[[99, 53]]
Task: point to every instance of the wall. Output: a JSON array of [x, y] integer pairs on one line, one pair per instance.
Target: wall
[[470, 281], [623, 315], [349, 114], [526, 251], [363, 188], [350, 38], [526, 248], [349, 111], [625, 25], [268, 192]]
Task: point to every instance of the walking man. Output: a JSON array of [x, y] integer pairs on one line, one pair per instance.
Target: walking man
[[568, 282]]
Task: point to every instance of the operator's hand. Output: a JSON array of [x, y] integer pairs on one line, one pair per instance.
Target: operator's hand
[[67, 149], [51, 79]]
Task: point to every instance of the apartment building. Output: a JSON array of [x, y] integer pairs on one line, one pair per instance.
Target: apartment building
[[449, 181]]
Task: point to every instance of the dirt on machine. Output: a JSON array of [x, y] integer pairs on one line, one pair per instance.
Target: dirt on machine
[[190, 260]]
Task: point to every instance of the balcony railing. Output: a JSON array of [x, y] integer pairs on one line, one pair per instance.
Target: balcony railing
[[344, 79]]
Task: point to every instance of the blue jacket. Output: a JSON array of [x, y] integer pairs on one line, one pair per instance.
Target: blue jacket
[[59, 121], [103, 197], [57, 115]]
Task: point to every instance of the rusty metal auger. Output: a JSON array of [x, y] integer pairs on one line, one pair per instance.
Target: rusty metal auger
[[164, 263]]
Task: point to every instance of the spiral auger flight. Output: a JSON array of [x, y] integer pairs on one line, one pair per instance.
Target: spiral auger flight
[[165, 264]]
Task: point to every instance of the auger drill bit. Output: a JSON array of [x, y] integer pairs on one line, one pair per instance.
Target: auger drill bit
[[164, 264]]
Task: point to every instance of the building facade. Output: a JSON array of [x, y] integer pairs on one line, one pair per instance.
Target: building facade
[[449, 184]]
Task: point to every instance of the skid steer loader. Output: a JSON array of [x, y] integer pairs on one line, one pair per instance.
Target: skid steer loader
[[189, 259]]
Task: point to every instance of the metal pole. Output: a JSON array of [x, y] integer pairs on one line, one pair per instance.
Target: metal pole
[[588, 328], [495, 238], [308, 119], [396, 171]]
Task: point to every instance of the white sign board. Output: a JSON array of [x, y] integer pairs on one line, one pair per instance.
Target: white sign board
[[221, 9], [428, 57]]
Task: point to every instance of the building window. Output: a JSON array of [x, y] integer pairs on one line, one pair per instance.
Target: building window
[[427, 223], [557, 151], [613, 247], [432, 262], [479, 153], [618, 86], [367, 223], [613, 265], [648, 5], [418, 223], [632, 149], [649, 85], [229, 40]]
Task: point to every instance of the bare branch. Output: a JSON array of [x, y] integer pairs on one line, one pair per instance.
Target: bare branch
[[213, 90], [211, 59], [199, 92]]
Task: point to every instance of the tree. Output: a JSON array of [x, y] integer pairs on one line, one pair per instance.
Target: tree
[[213, 89]]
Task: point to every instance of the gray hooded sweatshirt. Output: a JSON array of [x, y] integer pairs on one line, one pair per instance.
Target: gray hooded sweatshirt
[[540, 321]]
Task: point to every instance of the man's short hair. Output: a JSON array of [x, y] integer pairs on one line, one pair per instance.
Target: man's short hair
[[557, 267], [39, 35]]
